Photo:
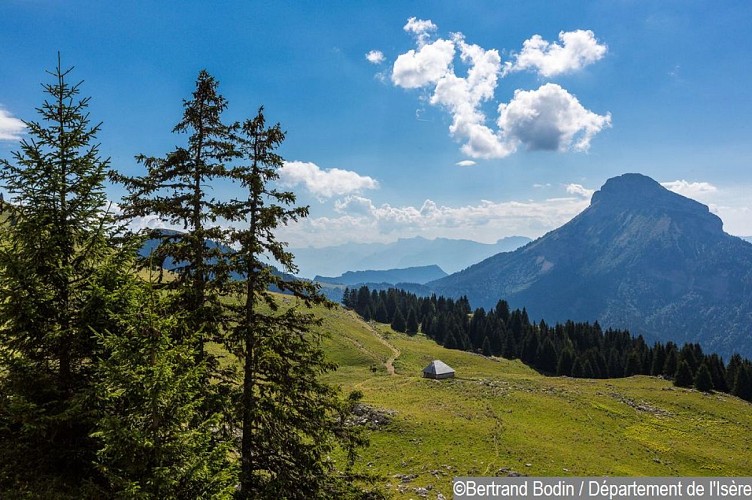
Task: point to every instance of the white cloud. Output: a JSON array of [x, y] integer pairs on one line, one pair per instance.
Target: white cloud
[[415, 69], [463, 96], [545, 119], [375, 57], [549, 118], [580, 190], [578, 49], [465, 163], [420, 28], [324, 183], [11, 128], [359, 219], [694, 190]]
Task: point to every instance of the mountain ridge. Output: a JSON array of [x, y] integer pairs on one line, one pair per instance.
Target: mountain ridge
[[451, 255], [639, 257], [418, 274]]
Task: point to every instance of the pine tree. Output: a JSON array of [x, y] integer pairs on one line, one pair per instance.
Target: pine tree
[[615, 367], [743, 382], [149, 388], [398, 323], [546, 358], [176, 188], [486, 347], [659, 360], [53, 294], [633, 364], [411, 325], [717, 373], [703, 381], [566, 360], [684, 377], [672, 363], [380, 314], [291, 420], [732, 370]]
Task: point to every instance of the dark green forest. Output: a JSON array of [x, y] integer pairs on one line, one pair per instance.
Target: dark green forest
[[580, 350], [119, 380]]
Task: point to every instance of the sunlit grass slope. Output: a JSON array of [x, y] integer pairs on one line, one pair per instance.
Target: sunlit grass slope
[[499, 416]]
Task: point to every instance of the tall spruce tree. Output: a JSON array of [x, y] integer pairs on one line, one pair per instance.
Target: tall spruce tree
[[290, 419], [177, 189], [54, 294]]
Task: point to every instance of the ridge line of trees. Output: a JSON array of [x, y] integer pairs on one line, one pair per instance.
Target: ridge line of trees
[[581, 350]]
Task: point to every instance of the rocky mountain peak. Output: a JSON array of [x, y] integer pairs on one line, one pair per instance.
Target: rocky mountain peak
[[637, 193]]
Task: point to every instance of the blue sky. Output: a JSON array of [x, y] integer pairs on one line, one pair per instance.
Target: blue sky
[[476, 120]]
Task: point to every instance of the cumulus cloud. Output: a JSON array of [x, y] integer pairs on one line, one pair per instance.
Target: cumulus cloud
[[463, 96], [578, 49], [549, 118], [545, 119], [324, 183], [695, 190], [415, 69], [11, 128], [375, 57], [465, 163]]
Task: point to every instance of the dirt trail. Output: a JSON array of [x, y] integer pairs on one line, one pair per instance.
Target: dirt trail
[[389, 363]]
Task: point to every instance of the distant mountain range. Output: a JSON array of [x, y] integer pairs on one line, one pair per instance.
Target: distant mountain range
[[449, 254], [420, 275], [639, 257]]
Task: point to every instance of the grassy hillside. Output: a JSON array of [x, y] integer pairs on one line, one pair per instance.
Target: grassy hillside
[[499, 416]]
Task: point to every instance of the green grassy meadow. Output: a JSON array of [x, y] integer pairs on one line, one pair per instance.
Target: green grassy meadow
[[499, 416]]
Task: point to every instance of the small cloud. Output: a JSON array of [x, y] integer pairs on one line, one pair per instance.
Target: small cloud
[[580, 190], [578, 49], [324, 183], [375, 57], [420, 28], [11, 128], [465, 163], [354, 205], [690, 189], [541, 186]]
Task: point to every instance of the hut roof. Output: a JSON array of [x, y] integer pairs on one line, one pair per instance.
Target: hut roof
[[438, 367]]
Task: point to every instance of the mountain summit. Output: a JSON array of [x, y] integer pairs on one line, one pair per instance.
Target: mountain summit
[[639, 257]]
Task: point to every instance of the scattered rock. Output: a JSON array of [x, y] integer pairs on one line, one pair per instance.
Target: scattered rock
[[405, 478], [440, 497], [643, 406], [421, 492], [370, 417]]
